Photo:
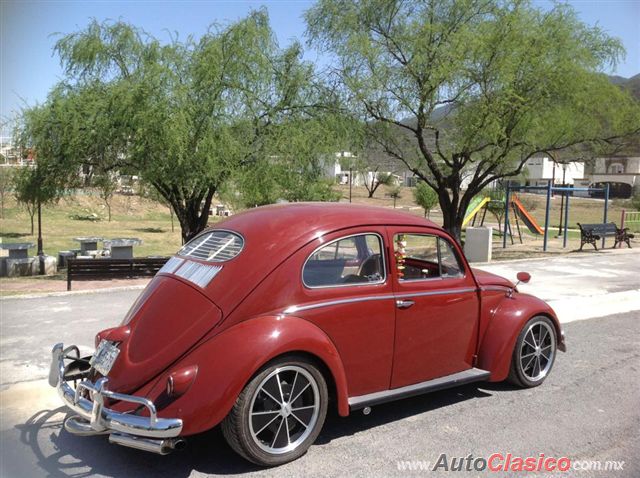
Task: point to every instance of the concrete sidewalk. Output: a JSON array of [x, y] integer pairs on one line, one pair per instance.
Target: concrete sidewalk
[[580, 286]]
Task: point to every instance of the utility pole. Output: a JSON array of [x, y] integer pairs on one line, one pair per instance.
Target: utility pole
[[564, 173], [350, 179], [40, 252]]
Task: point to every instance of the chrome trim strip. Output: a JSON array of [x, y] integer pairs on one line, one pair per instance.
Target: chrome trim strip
[[460, 378], [462, 290], [355, 284], [498, 288], [298, 308]]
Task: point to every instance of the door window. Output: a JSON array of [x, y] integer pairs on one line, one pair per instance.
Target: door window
[[348, 261], [424, 256]]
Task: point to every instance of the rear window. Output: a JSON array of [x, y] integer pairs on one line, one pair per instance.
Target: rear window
[[214, 246]]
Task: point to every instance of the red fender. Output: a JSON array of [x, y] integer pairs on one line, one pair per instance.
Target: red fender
[[227, 361], [496, 348]]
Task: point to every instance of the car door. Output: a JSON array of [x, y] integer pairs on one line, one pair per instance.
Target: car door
[[437, 306], [346, 291]]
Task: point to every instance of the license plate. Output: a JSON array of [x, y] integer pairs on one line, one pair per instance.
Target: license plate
[[105, 356]]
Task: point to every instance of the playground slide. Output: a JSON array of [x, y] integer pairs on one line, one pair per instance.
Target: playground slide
[[528, 220], [474, 208]]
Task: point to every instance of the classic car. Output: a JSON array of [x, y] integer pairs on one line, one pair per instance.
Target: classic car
[[262, 322]]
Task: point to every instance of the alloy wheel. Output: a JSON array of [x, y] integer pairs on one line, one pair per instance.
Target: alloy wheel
[[537, 351], [284, 409]]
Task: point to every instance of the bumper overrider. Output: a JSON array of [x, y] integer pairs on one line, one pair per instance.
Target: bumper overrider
[[154, 434]]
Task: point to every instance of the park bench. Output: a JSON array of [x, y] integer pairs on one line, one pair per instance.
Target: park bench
[[88, 269], [590, 233]]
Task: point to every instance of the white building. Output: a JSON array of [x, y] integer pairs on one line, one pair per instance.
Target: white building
[[541, 169], [622, 173]]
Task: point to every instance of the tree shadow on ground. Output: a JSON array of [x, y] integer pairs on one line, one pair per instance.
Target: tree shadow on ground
[[150, 230], [14, 235]]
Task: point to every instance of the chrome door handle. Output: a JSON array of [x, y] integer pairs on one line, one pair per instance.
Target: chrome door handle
[[404, 304]]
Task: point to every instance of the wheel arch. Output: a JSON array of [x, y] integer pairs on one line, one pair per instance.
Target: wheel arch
[[228, 361], [498, 342]]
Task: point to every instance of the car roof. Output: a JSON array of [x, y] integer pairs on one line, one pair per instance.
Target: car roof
[[273, 233], [312, 218]]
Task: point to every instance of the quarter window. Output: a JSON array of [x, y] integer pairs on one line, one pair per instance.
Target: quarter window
[[422, 256], [349, 261]]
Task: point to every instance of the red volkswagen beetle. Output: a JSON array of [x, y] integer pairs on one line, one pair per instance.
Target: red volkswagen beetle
[[260, 322]]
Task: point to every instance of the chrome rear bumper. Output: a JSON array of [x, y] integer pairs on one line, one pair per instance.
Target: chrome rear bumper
[[94, 418]]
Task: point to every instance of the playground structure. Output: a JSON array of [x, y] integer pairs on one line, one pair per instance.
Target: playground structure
[[476, 205], [511, 202], [481, 204]]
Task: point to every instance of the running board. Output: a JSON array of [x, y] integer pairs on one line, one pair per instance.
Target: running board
[[441, 383]]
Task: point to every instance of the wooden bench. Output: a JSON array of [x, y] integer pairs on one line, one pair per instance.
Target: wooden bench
[[87, 269], [590, 233]]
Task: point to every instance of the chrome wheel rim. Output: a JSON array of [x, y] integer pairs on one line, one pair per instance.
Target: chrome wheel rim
[[537, 351], [284, 409]]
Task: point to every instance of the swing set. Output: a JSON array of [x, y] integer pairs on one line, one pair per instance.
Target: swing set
[[520, 213]]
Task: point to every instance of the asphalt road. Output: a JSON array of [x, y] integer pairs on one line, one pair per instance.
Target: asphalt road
[[588, 409]]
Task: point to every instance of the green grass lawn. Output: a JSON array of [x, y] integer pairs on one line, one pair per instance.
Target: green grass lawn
[[132, 216]]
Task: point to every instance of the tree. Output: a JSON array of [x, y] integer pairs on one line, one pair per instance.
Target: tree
[[6, 180], [188, 115], [152, 193], [496, 206], [373, 180], [465, 91], [107, 186], [25, 191], [425, 197], [35, 187], [395, 193]]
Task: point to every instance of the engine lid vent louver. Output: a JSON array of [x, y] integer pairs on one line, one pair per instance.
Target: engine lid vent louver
[[171, 265], [198, 274]]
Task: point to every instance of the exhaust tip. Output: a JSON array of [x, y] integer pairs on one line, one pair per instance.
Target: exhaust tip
[[179, 444], [161, 447]]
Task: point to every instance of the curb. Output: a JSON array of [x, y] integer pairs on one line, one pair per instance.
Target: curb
[[569, 255], [73, 292]]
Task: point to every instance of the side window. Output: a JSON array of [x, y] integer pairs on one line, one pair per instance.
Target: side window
[[423, 256], [449, 263], [351, 260]]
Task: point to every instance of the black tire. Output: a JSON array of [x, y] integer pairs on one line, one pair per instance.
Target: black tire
[[523, 371], [256, 408]]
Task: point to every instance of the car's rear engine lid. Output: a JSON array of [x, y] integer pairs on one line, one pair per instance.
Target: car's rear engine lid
[[165, 322]]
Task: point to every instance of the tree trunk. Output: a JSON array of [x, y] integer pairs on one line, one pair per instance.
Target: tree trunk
[[453, 214], [193, 215], [108, 211], [171, 216]]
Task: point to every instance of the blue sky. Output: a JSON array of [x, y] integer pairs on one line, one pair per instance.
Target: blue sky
[[27, 32]]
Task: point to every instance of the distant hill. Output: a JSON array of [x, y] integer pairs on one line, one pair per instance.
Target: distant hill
[[632, 84]]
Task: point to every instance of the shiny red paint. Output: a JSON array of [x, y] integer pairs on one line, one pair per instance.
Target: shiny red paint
[[257, 309]]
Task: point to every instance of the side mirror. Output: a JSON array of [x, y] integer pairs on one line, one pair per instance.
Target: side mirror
[[523, 277]]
